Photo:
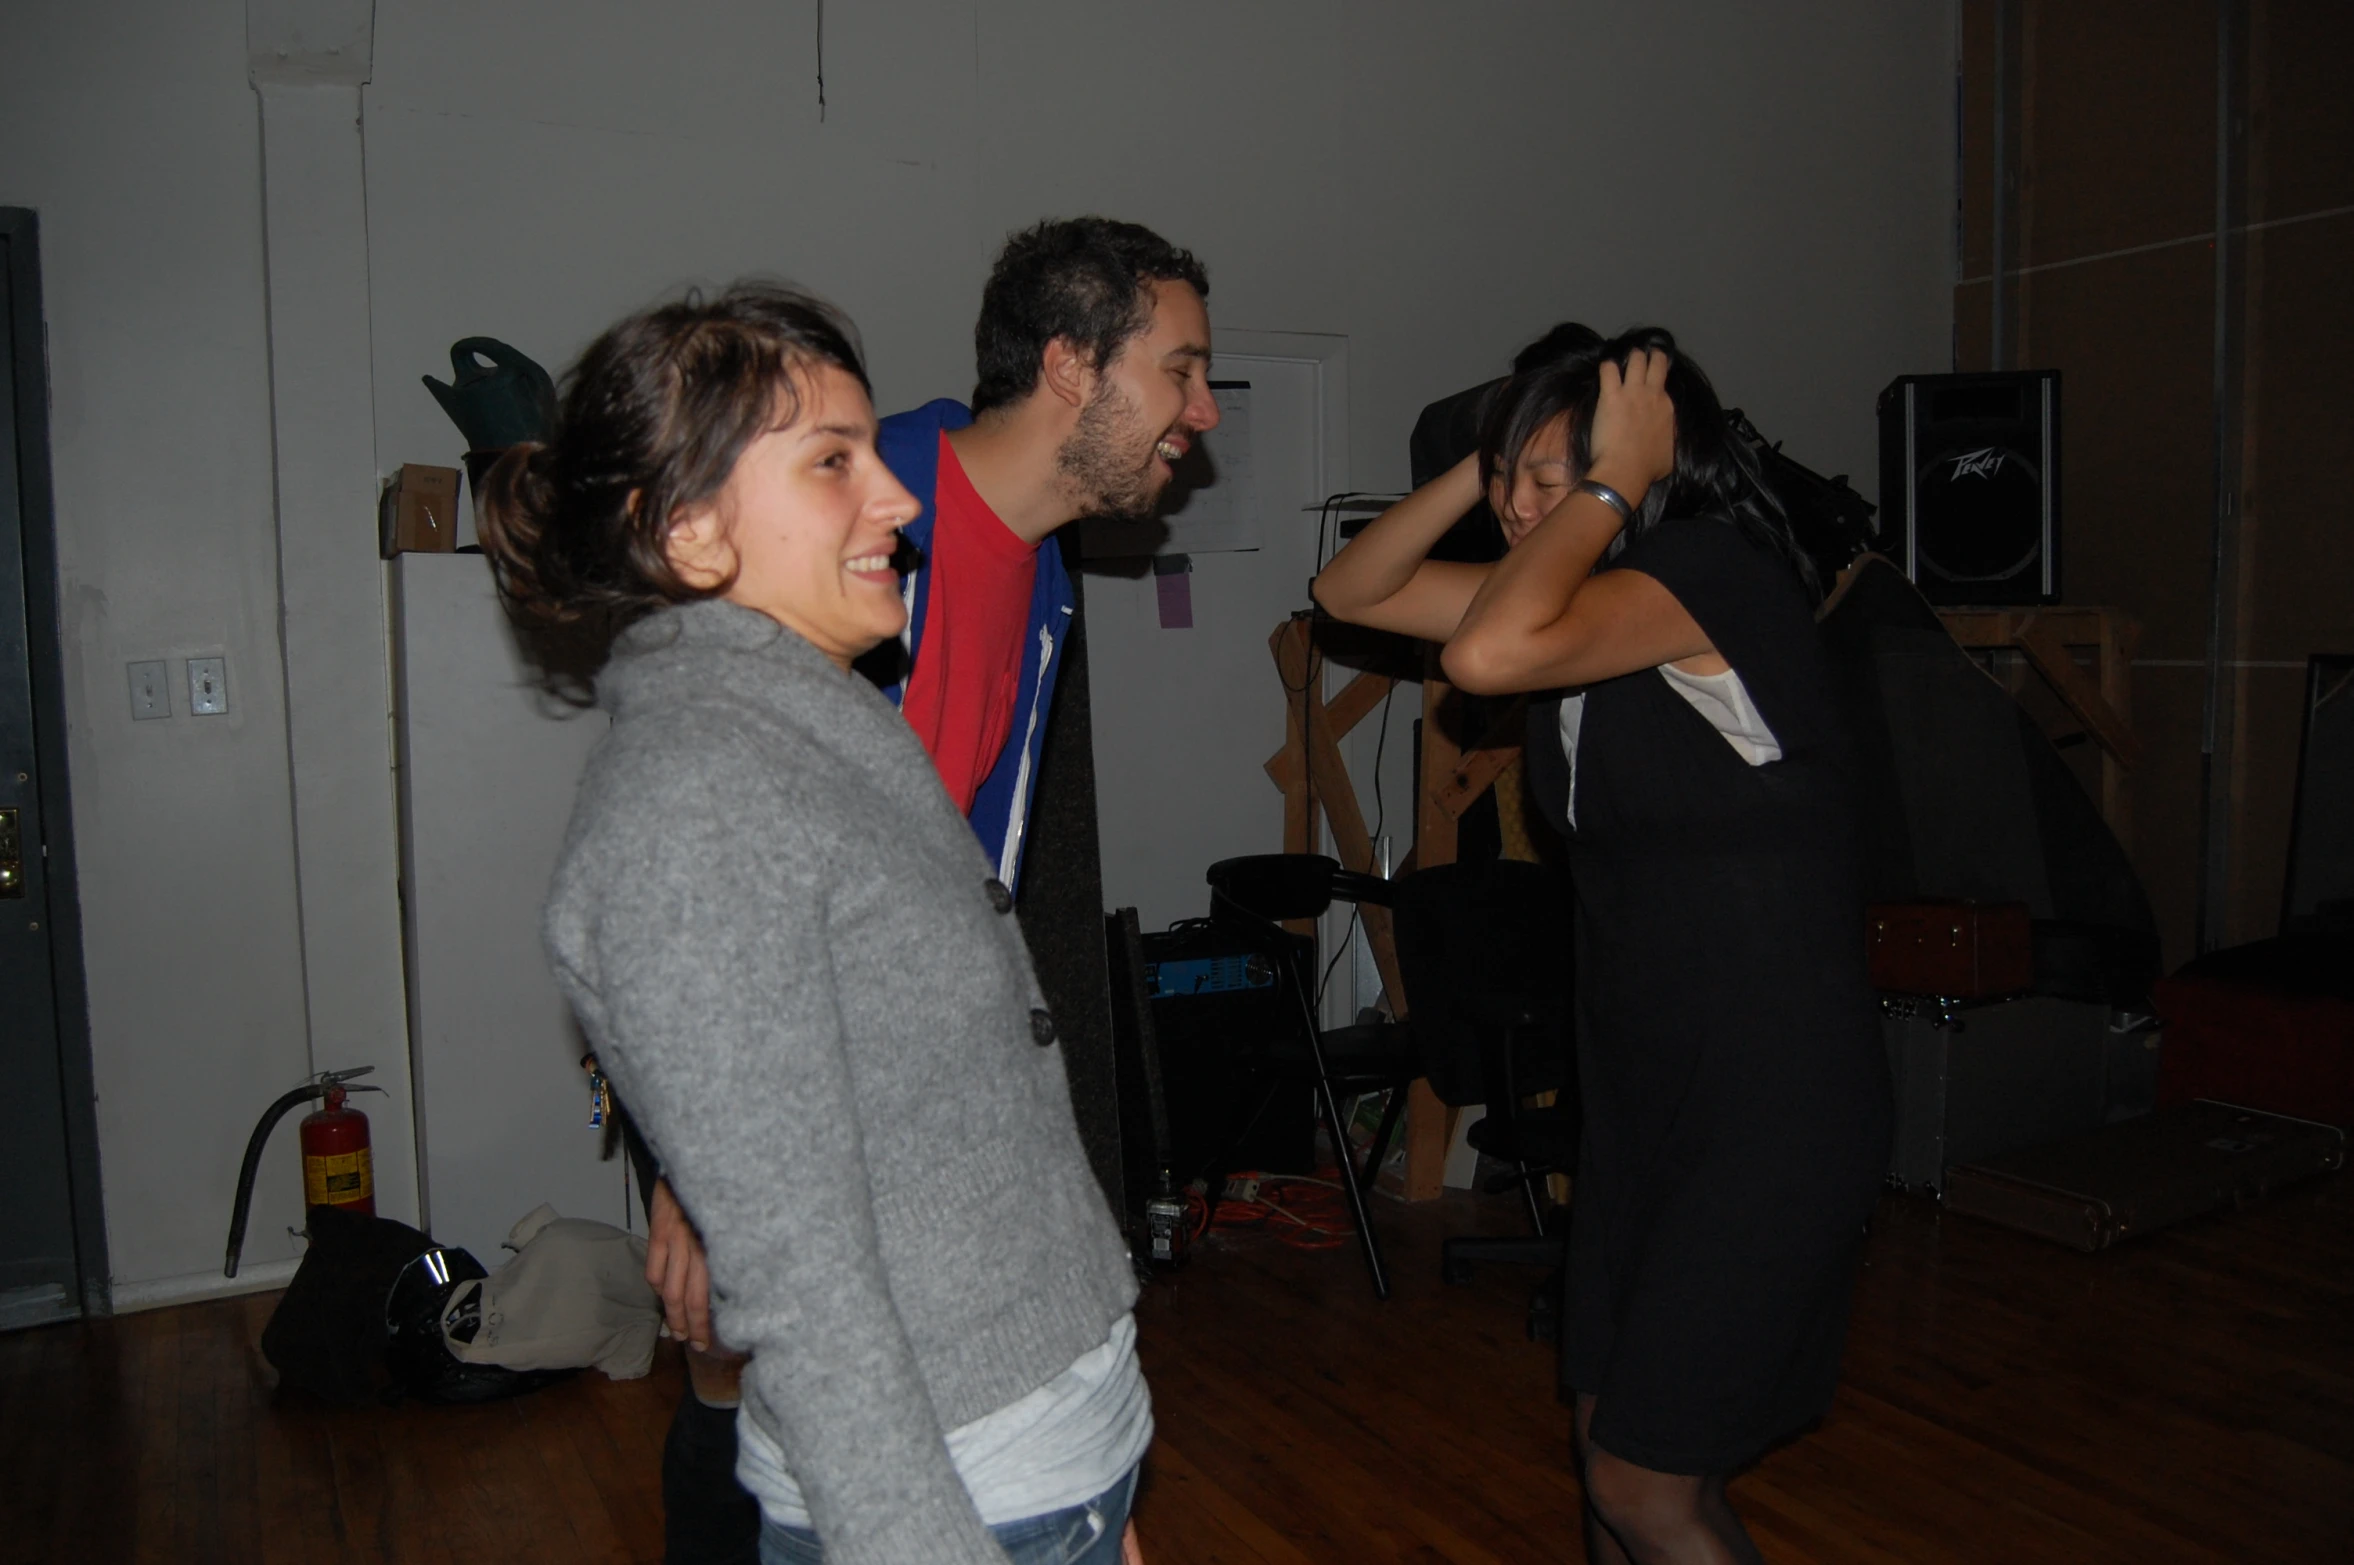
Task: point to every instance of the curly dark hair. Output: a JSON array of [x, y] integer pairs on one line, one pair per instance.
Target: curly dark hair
[[653, 418], [1080, 278]]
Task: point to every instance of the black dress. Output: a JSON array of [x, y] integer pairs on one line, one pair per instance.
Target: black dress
[[1736, 1093]]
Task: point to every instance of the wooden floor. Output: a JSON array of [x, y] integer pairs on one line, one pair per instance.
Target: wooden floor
[[2189, 1396]]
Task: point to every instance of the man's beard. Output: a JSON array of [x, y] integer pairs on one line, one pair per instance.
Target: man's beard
[[1100, 464]]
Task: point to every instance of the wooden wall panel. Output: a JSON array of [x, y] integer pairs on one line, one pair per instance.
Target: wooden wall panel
[[2301, 436], [2298, 592], [1977, 153], [2117, 150], [2119, 126], [2133, 340], [1973, 305], [2305, 114]]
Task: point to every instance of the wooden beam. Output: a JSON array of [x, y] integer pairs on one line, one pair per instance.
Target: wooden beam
[[1313, 777], [1480, 765], [2102, 702], [1430, 1127], [1357, 698], [1297, 664], [2079, 694], [1356, 701], [1354, 844]]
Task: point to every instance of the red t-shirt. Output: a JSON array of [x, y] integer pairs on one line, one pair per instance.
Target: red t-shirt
[[968, 669]]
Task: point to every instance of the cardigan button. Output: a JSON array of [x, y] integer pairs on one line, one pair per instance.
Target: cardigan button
[[1041, 1028], [999, 898]]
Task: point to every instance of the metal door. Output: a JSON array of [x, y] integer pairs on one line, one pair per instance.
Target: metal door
[[52, 1244]]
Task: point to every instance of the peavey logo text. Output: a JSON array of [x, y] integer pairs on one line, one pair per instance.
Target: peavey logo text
[[1979, 464]]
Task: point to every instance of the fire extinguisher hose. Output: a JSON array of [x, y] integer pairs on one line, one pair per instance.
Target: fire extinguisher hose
[[261, 1138], [253, 1162]]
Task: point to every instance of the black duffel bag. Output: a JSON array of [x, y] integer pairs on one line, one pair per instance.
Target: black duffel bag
[[327, 1335]]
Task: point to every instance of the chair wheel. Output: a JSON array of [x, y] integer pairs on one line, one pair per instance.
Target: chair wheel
[[1456, 1273]]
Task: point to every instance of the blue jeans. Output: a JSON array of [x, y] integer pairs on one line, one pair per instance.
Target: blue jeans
[[1087, 1534]]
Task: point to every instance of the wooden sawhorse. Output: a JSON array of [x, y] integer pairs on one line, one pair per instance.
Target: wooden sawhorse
[[1314, 779]]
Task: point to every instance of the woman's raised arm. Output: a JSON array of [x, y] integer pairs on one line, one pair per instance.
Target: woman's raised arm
[[1542, 618], [1385, 577]]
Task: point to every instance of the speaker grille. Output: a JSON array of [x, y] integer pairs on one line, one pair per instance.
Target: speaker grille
[[1969, 469], [1979, 515]]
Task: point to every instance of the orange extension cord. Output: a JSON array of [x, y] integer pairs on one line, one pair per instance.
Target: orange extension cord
[[1311, 1213]]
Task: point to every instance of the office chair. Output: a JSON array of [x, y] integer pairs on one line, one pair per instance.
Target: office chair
[[1250, 897], [1484, 952]]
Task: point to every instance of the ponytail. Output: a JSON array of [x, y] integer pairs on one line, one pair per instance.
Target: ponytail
[[511, 513]]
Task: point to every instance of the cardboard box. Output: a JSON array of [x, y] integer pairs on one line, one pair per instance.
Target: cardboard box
[[418, 513]]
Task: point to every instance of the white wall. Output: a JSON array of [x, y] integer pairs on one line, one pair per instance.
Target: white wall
[[1435, 183], [1185, 718], [132, 132], [489, 762]]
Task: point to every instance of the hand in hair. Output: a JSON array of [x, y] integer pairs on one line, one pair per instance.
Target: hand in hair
[[1542, 618], [1634, 439]]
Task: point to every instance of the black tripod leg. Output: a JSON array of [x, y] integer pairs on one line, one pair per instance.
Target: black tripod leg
[[1528, 1189], [1375, 1154], [1302, 989], [1347, 1166]]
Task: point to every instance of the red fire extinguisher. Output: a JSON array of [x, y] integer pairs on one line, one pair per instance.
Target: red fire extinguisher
[[336, 1166], [335, 1163]]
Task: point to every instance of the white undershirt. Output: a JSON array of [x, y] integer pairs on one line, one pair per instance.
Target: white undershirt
[[1721, 698], [1060, 1446]]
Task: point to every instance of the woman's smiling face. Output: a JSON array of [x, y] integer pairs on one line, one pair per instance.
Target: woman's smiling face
[[807, 522], [1540, 479]]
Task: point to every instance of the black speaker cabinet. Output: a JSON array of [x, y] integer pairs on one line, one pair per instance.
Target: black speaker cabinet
[[1217, 1012], [1970, 484]]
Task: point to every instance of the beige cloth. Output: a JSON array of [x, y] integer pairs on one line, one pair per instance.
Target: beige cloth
[[574, 1294]]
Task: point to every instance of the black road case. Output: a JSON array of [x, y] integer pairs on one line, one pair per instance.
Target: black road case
[[2090, 1191], [1976, 1081]]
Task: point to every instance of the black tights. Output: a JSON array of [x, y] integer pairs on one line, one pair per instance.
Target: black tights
[[1635, 1516]]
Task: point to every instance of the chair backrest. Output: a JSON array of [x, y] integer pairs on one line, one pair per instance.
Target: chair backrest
[[1276, 886], [1479, 945]]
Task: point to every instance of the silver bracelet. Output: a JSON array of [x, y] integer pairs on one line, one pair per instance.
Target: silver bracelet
[[1610, 497]]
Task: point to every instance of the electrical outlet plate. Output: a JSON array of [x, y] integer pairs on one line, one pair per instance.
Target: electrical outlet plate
[[208, 686], [151, 691]]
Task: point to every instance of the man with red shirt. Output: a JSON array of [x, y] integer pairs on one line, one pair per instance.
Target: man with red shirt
[[1093, 350]]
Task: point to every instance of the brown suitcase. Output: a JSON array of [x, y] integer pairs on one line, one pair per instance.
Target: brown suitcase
[[2092, 1190], [1950, 950]]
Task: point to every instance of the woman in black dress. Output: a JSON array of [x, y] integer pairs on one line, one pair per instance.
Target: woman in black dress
[[1688, 745]]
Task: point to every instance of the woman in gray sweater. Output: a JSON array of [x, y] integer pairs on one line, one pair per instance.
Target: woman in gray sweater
[[787, 950]]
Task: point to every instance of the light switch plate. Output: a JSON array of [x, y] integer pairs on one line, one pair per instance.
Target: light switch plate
[[208, 686], [151, 690]]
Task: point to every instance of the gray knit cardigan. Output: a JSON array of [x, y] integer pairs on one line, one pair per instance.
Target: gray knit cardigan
[[784, 943]]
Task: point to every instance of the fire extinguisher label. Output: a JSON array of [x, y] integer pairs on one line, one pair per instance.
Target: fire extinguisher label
[[338, 1180]]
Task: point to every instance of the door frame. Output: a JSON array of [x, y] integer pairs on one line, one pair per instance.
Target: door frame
[[44, 639]]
